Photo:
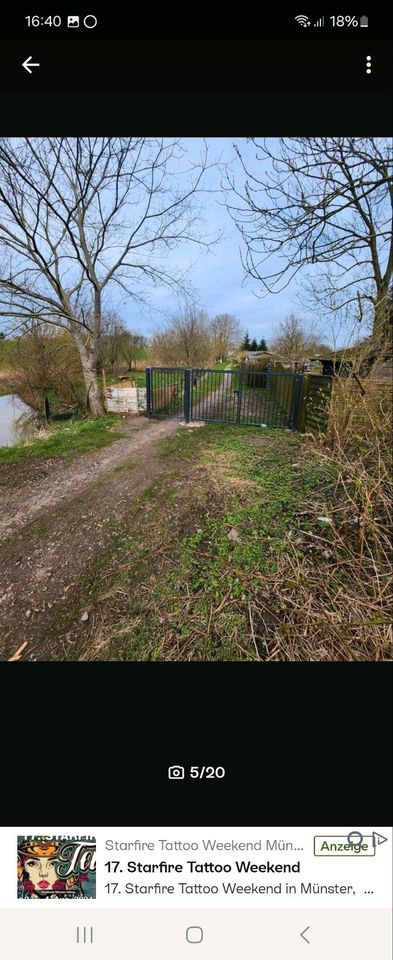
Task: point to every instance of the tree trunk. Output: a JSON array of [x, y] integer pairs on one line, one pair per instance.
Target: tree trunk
[[94, 401], [87, 354], [382, 321]]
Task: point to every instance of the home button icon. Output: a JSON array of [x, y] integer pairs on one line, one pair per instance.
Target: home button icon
[[194, 934]]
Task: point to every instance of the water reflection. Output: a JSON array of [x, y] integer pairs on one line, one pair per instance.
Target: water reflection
[[17, 420]]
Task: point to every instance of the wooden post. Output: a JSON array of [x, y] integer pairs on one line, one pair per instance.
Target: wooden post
[[46, 409]]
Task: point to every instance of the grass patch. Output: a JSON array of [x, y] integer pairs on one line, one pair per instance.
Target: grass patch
[[225, 365], [65, 440], [182, 580], [129, 377], [225, 558]]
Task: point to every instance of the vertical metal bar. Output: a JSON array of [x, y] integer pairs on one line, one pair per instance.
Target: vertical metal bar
[[265, 402], [289, 403], [271, 388], [303, 402], [283, 398], [296, 400], [187, 377], [222, 387], [239, 399], [149, 394], [269, 371], [290, 395]]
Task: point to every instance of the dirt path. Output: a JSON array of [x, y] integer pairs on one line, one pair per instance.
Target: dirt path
[[54, 481], [55, 525], [218, 404]]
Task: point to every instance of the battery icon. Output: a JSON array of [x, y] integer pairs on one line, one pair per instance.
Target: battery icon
[[364, 21]]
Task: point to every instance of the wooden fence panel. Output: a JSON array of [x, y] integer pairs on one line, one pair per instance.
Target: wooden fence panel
[[362, 406], [282, 389], [315, 403]]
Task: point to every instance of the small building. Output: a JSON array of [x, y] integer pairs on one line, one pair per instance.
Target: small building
[[330, 366], [256, 356], [260, 358], [362, 358]]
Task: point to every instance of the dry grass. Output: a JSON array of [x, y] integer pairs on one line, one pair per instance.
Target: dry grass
[[293, 587], [341, 607]]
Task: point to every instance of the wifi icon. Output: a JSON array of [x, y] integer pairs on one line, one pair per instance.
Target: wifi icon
[[303, 20]]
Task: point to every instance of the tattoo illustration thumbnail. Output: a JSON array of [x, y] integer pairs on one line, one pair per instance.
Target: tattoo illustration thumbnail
[[56, 867]]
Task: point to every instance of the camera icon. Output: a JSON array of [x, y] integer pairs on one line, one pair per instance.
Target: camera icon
[[176, 773]]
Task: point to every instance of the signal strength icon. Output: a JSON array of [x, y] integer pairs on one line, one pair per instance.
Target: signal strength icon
[[320, 22], [303, 20]]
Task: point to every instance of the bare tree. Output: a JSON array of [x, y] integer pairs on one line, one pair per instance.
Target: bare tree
[[112, 340], [134, 347], [185, 340], [323, 202], [226, 335], [295, 340], [44, 359], [83, 217]]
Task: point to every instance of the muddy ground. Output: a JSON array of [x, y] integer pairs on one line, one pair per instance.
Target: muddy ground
[[56, 520]]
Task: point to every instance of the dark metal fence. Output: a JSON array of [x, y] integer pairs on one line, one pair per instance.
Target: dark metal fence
[[225, 396]]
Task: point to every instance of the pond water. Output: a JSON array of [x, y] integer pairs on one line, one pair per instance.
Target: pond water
[[17, 420]]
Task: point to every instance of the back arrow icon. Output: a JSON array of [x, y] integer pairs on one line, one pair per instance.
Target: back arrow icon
[[303, 932], [27, 64]]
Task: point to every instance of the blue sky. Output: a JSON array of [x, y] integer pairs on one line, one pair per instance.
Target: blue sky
[[218, 276]]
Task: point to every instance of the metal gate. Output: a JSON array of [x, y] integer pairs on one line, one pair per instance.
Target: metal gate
[[246, 397]]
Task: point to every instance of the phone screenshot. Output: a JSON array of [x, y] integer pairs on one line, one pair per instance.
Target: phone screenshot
[[196, 302]]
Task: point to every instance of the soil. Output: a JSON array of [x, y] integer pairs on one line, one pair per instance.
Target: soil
[[57, 522]]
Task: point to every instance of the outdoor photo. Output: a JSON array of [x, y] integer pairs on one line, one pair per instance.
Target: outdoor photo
[[195, 399]]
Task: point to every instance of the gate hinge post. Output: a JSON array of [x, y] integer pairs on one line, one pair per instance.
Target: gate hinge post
[[187, 395], [296, 401], [149, 395]]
